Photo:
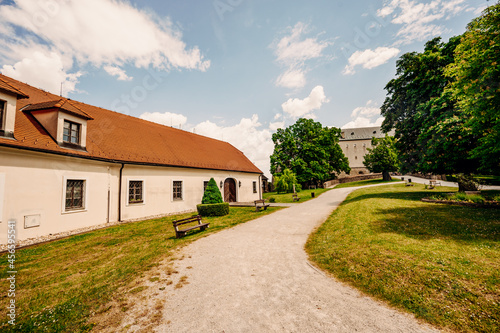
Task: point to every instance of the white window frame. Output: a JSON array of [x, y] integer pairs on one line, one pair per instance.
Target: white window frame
[[85, 194], [3, 115], [143, 192], [182, 190]]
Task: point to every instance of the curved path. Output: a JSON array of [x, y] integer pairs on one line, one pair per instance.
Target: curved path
[[256, 277]]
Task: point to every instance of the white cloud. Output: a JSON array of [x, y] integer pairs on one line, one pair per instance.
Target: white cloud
[[364, 122], [292, 78], [166, 118], [416, 17], [44, 71], [278, 124], [97, 32], [293, 51], [118, 72], [248, 135], [365, 116], [303, 107], [369, 110], [370, 58]]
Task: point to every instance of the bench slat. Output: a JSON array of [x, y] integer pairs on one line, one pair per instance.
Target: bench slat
[[182, 232]]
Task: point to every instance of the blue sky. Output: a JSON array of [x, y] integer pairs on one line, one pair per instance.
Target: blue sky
[[231, 69]]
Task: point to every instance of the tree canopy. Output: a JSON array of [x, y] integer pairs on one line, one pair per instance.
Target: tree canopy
[[475, 85], [286, 181], [383, 157], [309, 150], [444, 102]]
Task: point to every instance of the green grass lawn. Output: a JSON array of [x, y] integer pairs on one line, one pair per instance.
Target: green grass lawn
[[439, 262], [366, 182], [59, 284], [304, 195]]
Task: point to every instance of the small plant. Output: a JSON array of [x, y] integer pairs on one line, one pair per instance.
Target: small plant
[[475, 198], [212, 204], [218, 209], [272, 199], [212, 194]]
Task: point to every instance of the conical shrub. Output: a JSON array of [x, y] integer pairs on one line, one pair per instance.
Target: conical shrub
[[212, 194]]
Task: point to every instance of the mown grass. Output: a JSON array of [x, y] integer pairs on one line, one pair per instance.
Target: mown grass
[[304, 195], [439, 262], [366, 182], [59, 284]]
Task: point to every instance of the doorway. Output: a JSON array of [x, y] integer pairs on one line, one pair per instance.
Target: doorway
[[230, 190]]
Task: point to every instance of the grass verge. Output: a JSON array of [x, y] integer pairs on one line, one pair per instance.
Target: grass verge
[[304, 195], [438, 262], [60, 284], [366, 182]]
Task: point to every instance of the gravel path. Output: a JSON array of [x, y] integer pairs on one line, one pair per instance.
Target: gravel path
[[256, 277]]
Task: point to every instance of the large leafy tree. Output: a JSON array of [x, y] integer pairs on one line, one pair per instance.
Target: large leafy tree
[[383, 157], [475, 84], [410, 106], [309, 150]]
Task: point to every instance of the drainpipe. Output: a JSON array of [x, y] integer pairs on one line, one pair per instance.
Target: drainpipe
[[120, 194], [260, 187]]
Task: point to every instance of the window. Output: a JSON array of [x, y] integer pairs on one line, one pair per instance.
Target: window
[[254, 187], [74, 194], [177, 190], [71, 133], [2, 112], [135, 191], [205, 184]]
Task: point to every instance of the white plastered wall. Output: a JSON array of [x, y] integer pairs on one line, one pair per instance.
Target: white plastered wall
[[32, 186], [158, 189]]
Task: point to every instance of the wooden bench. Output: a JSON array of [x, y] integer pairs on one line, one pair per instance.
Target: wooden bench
[[295, 197], [182, 232], [260, 204], [433, 183], [408, 182]]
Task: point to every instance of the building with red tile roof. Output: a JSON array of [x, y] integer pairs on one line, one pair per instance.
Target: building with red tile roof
[[66, 164]]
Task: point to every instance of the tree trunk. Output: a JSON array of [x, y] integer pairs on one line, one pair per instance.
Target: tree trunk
[[386, 176]]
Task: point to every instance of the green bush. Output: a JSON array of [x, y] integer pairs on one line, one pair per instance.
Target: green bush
[[212, 194], [217, 209], [475, 198], [272, 199], [496, 198]]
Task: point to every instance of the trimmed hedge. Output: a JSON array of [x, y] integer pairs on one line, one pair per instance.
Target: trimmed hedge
[[218, 209]]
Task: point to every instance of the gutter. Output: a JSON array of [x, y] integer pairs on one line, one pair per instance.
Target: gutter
[[260, 187]]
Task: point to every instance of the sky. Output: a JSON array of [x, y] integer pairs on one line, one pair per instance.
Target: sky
[[234, 70]]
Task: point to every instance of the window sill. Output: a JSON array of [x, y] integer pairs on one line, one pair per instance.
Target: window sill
[[137, 203], [76, 210], [71, 146]]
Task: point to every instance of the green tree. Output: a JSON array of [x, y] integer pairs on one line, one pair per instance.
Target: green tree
[[383, 156], [411, 105], [309, 150], [212, 194], [286, 181], [475, 85]]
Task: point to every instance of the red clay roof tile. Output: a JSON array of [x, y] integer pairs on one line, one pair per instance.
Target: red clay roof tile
[[118, 137]]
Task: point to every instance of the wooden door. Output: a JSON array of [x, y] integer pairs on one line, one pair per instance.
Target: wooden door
[[230, 190]]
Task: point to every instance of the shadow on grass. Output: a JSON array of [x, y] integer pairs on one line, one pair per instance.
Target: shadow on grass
[[410, 196], [437, 220]]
